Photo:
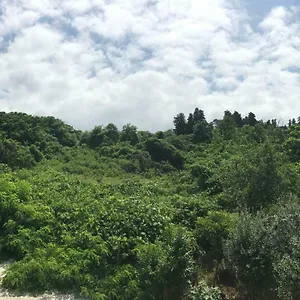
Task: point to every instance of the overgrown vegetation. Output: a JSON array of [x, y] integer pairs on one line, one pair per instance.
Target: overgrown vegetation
[[189, 213]]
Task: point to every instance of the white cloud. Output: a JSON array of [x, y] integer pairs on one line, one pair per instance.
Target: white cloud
[[276, 19], [91, 62], [15, 18]]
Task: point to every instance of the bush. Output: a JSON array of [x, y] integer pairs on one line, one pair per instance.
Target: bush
[[263, 252], [161, 151], [204, 292]]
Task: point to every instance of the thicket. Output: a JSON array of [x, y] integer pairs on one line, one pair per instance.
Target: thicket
[[190, 213]]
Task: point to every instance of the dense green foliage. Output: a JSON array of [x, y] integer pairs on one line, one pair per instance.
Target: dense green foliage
[[183, 214]]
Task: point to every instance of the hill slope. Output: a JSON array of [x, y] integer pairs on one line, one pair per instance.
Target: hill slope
[[110, 214]]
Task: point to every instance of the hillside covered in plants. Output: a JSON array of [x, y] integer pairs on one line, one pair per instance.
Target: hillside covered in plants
[[203, 211]]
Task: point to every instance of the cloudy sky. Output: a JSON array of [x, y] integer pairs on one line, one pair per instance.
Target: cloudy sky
[[91, 62]]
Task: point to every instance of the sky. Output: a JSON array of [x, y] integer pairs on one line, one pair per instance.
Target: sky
[[92, 62]]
